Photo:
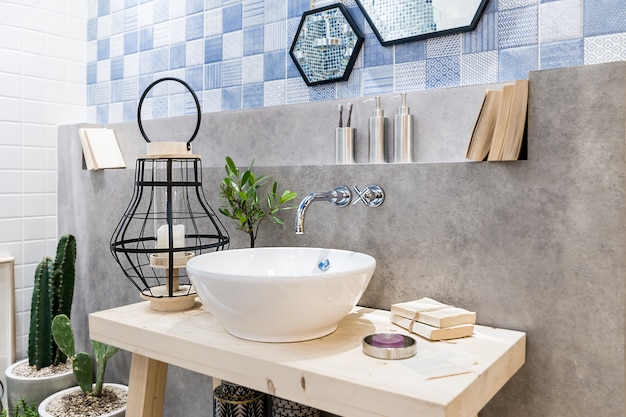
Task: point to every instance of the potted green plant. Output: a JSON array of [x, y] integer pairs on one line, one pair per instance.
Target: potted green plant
[[45, 371], [91, 399], [246, 207], [22, 409]]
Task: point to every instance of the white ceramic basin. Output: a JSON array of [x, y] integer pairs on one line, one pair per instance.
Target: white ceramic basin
[[280, 294]]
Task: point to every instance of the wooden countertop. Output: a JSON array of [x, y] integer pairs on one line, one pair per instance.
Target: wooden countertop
[[444, 379]]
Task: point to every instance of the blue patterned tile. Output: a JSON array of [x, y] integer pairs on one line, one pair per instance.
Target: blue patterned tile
[[92, 72], [443, 72], [146, 39], [213, 49], [116, 93], [517, 27], [377, 80], [130, 110], [604, 17], [516, 63], [443, 46], [129, 3], [296, 91], [352, 87], [608, 48], [232, 18], [194, 6], [131, 19], [274, 93], [117, 68], [159, 107], [194, 77], [213, 22], [145, 63], [275, 37], [232, 45], [160, 11], [323, 92], [131, 42], [514, 4], [144, 82], [104, 7], [412, 51], [295, 8], [374, 54], [274, 66], [250, 69], [178, 56], [117, 22], [253, 40], [195, 52], [410, 76], [561, 54], [92, 29], [213, 76], [102, 114], [275, 10], [292, 70], [231, 98], [553, 14], [91, 95], [117, 45], [253, 95], [177, 105], [160, 59], [231, 73], [103, 49], [130, 91], [479, 68], [485, 37], [253, 13], [194, 27]]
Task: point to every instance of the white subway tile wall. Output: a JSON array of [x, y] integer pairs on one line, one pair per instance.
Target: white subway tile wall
[[43, 55]]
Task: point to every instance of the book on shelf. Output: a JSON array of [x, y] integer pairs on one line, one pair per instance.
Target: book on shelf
[[433, 313], [432, 332], [480, 141], [100, 148], [499, 128]]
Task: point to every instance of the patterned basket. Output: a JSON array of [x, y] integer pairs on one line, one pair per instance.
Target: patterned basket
[[230, 400], [286, 408]]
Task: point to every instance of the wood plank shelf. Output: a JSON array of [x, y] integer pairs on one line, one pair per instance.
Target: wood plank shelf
[[444, 379]]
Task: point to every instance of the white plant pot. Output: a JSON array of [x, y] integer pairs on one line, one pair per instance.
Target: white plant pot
[[34, 390], [120, 412]]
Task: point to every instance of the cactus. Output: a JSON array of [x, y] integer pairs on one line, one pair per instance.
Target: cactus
[[82, 363], [52, 295]]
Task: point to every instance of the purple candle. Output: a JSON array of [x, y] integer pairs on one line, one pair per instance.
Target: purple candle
[[388, 340]]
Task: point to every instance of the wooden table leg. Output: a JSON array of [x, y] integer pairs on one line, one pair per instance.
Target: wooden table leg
[[146, 387]]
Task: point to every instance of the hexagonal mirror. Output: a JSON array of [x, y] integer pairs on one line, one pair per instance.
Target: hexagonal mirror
[[397, 21], [326, 45]]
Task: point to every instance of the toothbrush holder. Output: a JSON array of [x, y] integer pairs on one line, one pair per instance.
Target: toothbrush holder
[[345, 149]]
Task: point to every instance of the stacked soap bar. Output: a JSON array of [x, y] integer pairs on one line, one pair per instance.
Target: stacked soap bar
[[433, 320]]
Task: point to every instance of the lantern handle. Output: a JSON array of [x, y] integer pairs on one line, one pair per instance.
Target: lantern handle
[[145, 93]]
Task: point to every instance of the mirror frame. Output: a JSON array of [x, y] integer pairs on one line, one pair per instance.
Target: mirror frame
[[355, 52], [387, 42]]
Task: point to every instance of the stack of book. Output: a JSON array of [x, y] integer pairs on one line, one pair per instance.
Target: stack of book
[[433, 320], [499, 129], [100, 148]]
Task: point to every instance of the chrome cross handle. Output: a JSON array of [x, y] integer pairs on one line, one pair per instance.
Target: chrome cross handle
[[371, 196]]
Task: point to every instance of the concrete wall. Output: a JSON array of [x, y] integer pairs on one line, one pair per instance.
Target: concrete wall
[[535, 245]]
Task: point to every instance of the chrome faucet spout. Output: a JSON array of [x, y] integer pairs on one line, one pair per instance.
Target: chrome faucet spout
[[341, 196]]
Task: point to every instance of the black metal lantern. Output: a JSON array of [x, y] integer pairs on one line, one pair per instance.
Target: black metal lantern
[[167, 222]]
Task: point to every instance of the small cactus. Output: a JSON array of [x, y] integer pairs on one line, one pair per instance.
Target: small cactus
[[82, 363], [52, 295]]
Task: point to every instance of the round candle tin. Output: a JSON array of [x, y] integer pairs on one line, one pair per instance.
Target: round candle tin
[[389, 346]]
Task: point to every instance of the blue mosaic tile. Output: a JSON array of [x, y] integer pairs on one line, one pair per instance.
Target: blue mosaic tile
[[104, 7], [146, 39], [352, 87], [410, 76], [253, 40], [232, 18], [213, 76], [194, 6], [131, 19], [485, 37], [516, 63], [295, 8], [443, 72], [231, 73], [443, 46], [92, 73], [274, 66], [412, 51], [274, 93], [145, 63], [603, 17], [194, 27], [292, 70], [103, 49], [160, 11], [607, 48], [130, 91], [232, 45], [323, 92], [144, 82], [231, 98], [131, 42], [275, 10], [178, 54], [562, 54], [213, 49], [250, 69], [479, 68], [159, 107], [274, 37], [253, 95], [374, 54], [117, 68], [194, 77], [518, 27]]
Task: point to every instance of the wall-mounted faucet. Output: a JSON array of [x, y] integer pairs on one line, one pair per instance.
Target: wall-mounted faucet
[[341, 196]]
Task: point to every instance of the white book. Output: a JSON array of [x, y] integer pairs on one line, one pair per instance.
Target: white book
[[101, 149], [432, 332], [433, 313]]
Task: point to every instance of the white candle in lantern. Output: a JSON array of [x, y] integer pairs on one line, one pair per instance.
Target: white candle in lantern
[[163, 241]]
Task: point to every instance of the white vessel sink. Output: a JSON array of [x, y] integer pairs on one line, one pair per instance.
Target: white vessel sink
[[280, 294]]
